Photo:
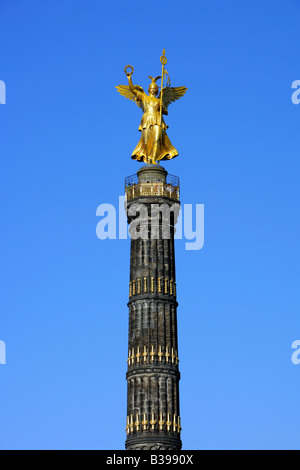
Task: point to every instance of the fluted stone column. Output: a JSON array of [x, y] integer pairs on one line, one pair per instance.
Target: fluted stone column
[[153, 414]]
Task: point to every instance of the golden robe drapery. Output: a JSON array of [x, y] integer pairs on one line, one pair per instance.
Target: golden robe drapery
[[154, 144]]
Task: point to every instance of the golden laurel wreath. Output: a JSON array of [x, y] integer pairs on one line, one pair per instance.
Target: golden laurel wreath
[[132, 70]]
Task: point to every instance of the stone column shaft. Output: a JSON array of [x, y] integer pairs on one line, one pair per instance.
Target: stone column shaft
[[153, 414]]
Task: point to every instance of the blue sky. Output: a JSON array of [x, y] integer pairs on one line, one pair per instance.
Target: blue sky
[[66, 137]]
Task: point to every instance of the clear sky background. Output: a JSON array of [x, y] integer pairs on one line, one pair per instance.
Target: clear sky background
[[66, 137]]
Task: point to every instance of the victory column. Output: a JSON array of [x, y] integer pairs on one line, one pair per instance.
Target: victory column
[[153, 413]]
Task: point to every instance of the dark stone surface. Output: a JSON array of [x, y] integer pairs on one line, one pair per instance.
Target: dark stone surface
[[153, 387], [153, 441]]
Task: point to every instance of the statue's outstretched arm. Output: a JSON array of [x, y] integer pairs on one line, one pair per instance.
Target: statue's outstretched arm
[[132, 89]]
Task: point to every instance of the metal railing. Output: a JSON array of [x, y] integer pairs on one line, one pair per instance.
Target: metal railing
[[152, 189], [135, 189]]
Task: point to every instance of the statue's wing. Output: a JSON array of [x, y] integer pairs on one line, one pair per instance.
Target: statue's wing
[[124, 90], [171, 94]]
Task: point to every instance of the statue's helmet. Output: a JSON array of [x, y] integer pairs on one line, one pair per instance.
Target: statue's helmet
[[153, 87]]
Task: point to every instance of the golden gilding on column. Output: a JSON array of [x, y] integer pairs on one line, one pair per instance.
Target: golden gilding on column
[[138, 355], [128, 360], [137, 422], [160, 354], [167, 354], [173, 357], [133, 288], [130, 290], [168, 423], [145, 354], [171, 287], [161, 422], [152, 354], [152, 284], [138, 286], [159, 285], [131, 424], [175, 425], [145, 285], [152, 422], [127, 425], [145, 422], [166, 285], [132, 356], [179, 425]]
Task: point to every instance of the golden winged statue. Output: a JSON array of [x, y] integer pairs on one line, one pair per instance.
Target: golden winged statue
[[154, 144]]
